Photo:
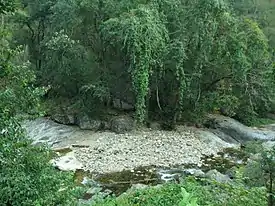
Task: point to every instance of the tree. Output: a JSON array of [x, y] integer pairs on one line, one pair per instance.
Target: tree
[[178, 59], [27, 178], [7, 6]]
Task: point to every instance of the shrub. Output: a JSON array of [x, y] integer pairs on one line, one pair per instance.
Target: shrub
[[26, 176], [206, 192]]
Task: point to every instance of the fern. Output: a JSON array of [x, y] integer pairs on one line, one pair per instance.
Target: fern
[[187, 199]]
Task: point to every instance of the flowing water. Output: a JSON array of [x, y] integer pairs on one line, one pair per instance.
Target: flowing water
[[120, 182]]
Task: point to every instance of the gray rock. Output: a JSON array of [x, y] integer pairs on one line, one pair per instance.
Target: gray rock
[[90, 183], [94, 190], [237, 130], [105, 125], [231, 173], [224, 137], [86, 123], [216, 175], [171, 174], [67, 119], [269, 145], [195, 172], [213, 139], [45, 131], [155, 126], [108, 192], [67, 162], [122, 105], [138, 186], [122, 124]]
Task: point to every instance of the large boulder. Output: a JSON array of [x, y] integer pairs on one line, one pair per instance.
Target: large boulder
[[122, 124], [239, 132], [219, 177], [67, 119], [46, 131], [217, 139], [87, 123], [122, 105]]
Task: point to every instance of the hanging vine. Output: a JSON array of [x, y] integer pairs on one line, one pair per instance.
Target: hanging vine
[[179, 56], [143, 35]]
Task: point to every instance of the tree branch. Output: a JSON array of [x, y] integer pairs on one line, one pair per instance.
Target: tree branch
[[216, 81]]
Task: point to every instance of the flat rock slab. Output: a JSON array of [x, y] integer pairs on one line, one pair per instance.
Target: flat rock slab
[[67, 162], [237, 131]]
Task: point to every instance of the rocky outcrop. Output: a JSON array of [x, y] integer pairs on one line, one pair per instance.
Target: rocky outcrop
[[117, 124], [217, 176], [45, 131], [122, 124], [122, 105], [63, 118], [234, 131], [87, 123]]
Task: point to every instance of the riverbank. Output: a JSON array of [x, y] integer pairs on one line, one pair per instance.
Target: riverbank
[[110, 160], [117, 152], [104, 152]]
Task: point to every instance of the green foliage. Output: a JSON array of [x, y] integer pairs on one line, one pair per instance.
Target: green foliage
[[268, 167], [27, 178], [143, 35], [262, 11], [187, 199], [253, 147], [260, 171], [201, 192], [70, 62], [92, 95], [181, 58], [7, 6], [257, 121], [214, 193]]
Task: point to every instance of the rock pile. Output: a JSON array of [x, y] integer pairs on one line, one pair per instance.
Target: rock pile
[[117, 152]]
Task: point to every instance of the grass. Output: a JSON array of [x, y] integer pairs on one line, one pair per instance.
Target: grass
[[257, 122]]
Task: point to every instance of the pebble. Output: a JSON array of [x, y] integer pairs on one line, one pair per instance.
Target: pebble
[[114, 153]]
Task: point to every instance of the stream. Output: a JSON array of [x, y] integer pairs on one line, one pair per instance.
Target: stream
[[45, 131], [117, 183]]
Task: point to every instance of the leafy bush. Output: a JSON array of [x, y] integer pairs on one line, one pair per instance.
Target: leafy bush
[[26, 176], [216, 194], [182, 58], [187, 199], [203, 192], [261, 172]]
